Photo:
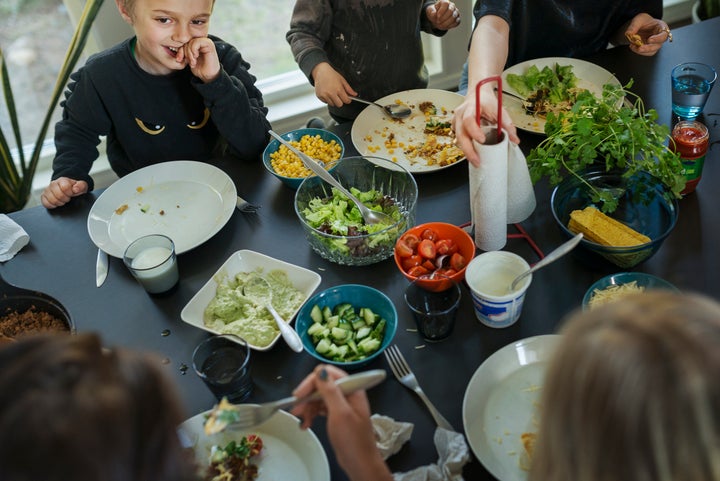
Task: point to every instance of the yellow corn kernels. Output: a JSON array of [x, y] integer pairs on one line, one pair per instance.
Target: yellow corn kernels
[[287, 164]]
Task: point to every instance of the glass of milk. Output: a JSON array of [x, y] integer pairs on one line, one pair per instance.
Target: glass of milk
[[151, 260]]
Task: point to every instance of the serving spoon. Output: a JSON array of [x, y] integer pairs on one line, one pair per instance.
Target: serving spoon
[[259, 289], [554, 255], [369, 216], [396, 111]]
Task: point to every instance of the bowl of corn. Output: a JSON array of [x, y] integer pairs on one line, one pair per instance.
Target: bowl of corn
[[645, 215], [322, 145]]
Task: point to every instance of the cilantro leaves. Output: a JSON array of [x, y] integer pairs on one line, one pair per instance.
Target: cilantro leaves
[[625, 138]]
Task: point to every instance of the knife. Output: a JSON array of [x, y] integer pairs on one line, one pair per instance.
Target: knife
[[101, 267]]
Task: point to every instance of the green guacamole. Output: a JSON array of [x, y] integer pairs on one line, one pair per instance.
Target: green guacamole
[[231, 311]]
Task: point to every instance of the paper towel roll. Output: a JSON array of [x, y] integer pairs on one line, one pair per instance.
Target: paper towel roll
[[501, 191]]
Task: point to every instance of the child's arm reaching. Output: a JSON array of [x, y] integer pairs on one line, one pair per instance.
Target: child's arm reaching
[[330, 86]]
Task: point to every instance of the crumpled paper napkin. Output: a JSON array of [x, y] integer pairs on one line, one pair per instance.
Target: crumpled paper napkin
[[12, 238], [453, 452]]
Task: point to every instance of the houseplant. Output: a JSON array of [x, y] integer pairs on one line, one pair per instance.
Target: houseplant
[[612, 131], [16, 174], [705, 9]]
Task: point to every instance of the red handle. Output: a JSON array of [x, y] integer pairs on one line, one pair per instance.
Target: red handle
[[497, 79]]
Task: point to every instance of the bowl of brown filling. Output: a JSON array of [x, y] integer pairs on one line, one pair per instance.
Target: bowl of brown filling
[[25, 311]]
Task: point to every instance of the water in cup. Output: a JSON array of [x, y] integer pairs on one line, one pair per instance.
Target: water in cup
[[222, 369], [223, 363], [691, 86]]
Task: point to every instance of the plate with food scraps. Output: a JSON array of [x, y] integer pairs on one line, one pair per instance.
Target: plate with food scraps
[[288, 452], [221, 306], [501, 405], [185, 200], [423, 142], [589, 76]]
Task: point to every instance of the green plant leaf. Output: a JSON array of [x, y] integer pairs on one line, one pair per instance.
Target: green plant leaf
[[16, 184], [618, 133]]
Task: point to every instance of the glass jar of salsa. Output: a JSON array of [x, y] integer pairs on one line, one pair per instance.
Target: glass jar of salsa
[[690, 140]]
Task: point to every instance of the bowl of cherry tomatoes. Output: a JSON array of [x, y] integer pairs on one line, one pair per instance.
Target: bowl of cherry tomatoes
[[438, 247]]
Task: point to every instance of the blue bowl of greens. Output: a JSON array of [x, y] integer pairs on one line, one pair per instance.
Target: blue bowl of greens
[[347, 325], [333, 225]]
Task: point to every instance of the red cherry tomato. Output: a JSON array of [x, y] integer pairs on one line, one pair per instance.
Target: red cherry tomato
[[402, 249], [418, 271], [428, 264], [411, 240], [457, 262], [442, 246], [255, 443], [426, 248], [453, 247], [412, 261], [429, 234]]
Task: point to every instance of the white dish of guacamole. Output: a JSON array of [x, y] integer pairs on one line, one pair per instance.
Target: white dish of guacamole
[[221, 306]]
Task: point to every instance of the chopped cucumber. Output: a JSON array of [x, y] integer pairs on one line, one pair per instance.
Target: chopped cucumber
[[343, 333]]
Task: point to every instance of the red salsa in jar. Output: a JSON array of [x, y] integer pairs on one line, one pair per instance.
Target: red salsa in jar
[[690, 140]]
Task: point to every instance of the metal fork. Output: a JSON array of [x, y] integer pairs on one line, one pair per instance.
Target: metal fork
[[245, 206], [244, 416], [402, 372]]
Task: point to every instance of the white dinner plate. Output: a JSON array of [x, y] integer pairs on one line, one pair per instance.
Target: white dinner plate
[[185, 200], [289, 453], [372, 127], [304, 280], [590, 76], [501, 402]]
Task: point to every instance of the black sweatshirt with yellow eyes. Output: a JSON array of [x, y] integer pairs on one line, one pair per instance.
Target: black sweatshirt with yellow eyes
[[155, 118]]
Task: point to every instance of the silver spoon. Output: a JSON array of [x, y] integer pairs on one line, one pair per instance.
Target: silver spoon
[[396, 111], [259, 289], [556, 254], [369, 216]]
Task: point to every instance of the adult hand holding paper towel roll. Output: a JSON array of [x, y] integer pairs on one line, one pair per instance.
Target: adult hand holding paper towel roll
[[501, 191]]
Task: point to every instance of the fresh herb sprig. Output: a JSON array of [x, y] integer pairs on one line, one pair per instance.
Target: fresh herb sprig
[[625, 138]]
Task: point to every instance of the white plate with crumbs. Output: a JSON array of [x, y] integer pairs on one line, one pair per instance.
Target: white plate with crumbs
[[289, 453], [185, 200], [590, 76], [502, 402], [254, 316], [416, 150]]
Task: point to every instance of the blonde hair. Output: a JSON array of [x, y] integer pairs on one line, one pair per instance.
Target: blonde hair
[[633, 394]]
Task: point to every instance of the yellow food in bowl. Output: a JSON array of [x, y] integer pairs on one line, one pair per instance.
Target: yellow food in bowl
[[287, 164], [601, 229]]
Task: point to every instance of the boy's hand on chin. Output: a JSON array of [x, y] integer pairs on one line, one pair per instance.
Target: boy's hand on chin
[[200, 54]]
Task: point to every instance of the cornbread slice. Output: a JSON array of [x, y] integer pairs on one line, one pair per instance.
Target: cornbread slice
[[601, 229]]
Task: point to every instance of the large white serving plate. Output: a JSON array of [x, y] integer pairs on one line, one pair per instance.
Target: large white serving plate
[[368, 127], [501, 402], [590, 76], [185, 200], [304, 280], [289, 453]]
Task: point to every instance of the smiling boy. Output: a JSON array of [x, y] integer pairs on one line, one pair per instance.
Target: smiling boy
[[171, 92]]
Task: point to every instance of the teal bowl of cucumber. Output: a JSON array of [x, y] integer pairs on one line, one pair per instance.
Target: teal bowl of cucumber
[[347, 325]]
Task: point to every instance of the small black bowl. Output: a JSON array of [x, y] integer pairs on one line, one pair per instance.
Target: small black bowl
[[17, 299]]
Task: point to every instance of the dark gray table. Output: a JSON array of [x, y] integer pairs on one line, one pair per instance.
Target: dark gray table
[[60, 260]]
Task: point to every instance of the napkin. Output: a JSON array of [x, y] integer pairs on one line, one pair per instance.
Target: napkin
[[12, 238], [501, 191], [390, 435], [453, 452]]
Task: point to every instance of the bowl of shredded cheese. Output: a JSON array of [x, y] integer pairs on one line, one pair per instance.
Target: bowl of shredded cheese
[[616, 286], [322, 145]]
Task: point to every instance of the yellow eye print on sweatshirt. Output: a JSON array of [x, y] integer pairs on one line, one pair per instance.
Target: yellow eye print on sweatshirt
[[194, 125], [151, 129]]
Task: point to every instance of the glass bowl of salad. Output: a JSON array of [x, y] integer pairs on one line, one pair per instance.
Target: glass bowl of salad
[[333, 225]]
